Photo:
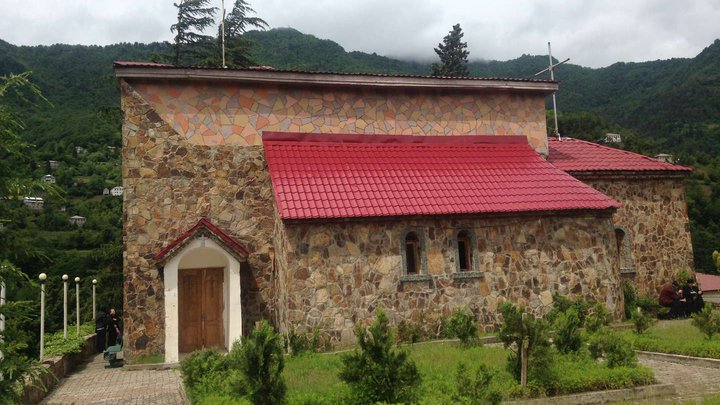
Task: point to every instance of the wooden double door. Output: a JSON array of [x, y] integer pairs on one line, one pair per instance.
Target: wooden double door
[[200, 296]]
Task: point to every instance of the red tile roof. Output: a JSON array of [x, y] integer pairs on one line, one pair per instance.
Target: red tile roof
[[574, 155], [213, 231], [344, 176], [708, 282]]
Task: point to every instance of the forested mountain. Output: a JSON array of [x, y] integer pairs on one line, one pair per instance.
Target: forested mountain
[[661, 106]]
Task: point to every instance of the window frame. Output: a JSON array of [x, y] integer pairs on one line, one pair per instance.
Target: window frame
[[421, 258], [472, 270]]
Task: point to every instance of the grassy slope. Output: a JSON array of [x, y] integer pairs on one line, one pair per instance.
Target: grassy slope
[[313, 378]]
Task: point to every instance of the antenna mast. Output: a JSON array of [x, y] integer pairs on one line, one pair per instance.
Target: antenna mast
[[222, 29], [552, 77]]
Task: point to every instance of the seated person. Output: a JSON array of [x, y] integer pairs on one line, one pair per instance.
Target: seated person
[[670, 298], [693, 297]]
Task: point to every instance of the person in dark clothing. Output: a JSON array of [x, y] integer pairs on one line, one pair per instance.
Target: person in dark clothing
[[693, 297], [101, 324], [114, 327], [670, 298]]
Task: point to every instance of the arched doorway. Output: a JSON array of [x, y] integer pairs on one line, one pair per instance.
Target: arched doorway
[[201, 272]]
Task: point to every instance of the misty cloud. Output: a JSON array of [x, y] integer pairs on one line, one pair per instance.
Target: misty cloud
[[591, 33]]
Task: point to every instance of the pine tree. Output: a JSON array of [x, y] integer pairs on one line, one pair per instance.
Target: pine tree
[[191, 45], [453, 55], [236, 24]]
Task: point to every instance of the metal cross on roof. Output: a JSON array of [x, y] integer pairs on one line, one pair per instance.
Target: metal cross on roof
[[552, 77]]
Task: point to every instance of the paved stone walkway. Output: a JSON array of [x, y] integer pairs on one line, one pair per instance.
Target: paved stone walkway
[[92, 383], [691, 382]]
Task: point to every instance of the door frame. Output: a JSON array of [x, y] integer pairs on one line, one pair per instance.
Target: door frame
[[232, 311], [201, 300]]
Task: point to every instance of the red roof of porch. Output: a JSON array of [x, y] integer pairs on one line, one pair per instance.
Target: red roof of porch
[[204, 224]]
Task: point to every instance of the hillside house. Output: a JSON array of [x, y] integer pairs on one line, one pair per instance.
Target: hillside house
[[117, 191], [48, 178], [79, 150], [54, 164], [613, 138], [77, 220], [106, 191], [312, 199], [34, 203]]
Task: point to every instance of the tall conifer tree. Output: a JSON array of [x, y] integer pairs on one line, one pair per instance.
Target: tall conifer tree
[[191, 45], [236, 24], [453, 55]]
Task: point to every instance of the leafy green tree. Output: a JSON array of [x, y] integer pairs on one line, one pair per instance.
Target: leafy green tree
[[567, 331], [193, 17], [378, 372], [453, 55], [260, 359], [14, 364], [516, 330]]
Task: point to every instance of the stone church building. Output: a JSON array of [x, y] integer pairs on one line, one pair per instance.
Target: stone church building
[[311, 199]]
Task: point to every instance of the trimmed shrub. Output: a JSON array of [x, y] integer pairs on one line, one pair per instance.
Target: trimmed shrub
[[298, 343], [476, 390], [649, 304], [259, 362], [707, 321], [377, 372], [567, 332], [462, 325], [203, 372], [630, 298], [409, 332], [641, 321], [617, 350], [598, 318]]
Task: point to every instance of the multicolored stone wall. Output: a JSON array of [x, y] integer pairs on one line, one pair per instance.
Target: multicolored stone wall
[[170, 184], [339, 273], [236, 114], [654, 214]]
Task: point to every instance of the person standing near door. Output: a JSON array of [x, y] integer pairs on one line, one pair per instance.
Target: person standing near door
[[101, 324], [114, 328]]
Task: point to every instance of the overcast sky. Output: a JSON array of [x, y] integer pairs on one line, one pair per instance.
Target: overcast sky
[[591, 33]]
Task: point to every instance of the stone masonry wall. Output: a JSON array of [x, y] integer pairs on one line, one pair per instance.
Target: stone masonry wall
[[170, 184], [220, 114], [339, 273], [654, 214]]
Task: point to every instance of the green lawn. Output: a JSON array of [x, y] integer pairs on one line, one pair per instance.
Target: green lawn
[[312, 378], [677, 337]]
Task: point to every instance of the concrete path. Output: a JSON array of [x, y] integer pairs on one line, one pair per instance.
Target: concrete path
[[691, 382], [92, 383]]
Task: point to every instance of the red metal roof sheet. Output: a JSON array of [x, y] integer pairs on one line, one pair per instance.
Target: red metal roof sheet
[[344, 176], [204, 224], [574, 155], [708, 282]]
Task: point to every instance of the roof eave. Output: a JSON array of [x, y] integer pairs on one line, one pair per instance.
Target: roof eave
[[332, 79], [607, 211]]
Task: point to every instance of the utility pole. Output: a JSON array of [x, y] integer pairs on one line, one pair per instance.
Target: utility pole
[[65, 280], [42, 277], [551, 68], [94, 282], [222, 29], [77, 303]]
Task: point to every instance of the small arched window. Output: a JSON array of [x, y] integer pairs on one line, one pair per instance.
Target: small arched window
[[624, 250], [464, 251], [412, 253]]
